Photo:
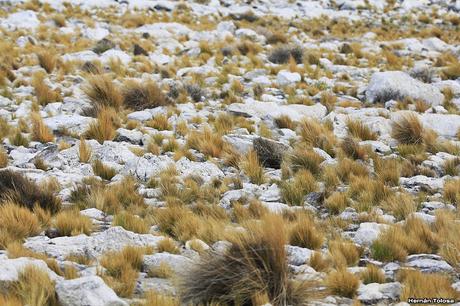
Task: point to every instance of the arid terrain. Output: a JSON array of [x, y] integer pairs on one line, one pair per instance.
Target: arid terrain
[[266, 152]]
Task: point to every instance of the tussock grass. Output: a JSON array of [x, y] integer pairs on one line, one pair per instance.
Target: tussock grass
[[293, 191], [337, 202], [72, 223], [388, 171], [451, 166], [122, 269], [138, 96], [407, 130], [40, 131], [416, 283], [3, 158], [253, 168], [372, 274], [131, 223], [16, 223], [47, 60], [207, 142], [343, 283], [152, 298], [317, 135], [104, 128], [352, 149], [255, 263], [102, 170], [35, 288], [43, 93], [84, 151], [167, 245], [160, 122], [162, 271], [358, 129], [400, 205], [319, 262], [19, 189], [285, 122], [344, 253], [305, 159], [102, 92], [452, 191], [304, 233]]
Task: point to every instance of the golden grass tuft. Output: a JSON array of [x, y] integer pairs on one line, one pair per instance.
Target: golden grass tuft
[[285, 122], [47, 60], [102, 170], [16, 223], [72, 223], [319, 262], [131, 223], [84, 151], [167, 245], [138, 96], [343, 283], [160, 122], [452, 191], [344, 253], [40, 131], [3, 158], [418, 284], [122, 269], [35, 288], [104, 128], [102, 92], [43, 93], [305, 159], [407, 130], [255, 263], [372, 274], [293, 191], [304, 233], [253, 168], [337, 202], [207, 142], [162, 271], [358, 129], [154, 299], [317, 135]]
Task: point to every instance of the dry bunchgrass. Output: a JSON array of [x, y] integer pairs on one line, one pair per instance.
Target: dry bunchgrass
[[452, 191], [138, 96], [343, 283], [43, 93], [305, 159], [131, 223], [400, 205], [372, 274], [160, 122], [16, 223], [72, 223], [19, 189], [315, 134], [418, 284], [285, 122], [3, 158], [122, 269], [344, 253], [84, 151], [352, 149], [255, 263], [319, 262], [388, 171], [40, 132], [167, 245], [102, 170], [47, 60], [337, 202], [304, 233], [451, 166], [348, 168], [102, 92], [35, 288], [407, 130], [253, 168], [105, 126], [293, 191], [358, 129], [209, 143], [154, 299], [164, 270]]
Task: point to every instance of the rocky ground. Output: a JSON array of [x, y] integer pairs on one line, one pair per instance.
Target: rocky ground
[[229, 152]]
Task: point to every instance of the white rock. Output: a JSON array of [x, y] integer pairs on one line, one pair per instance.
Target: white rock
[[422, 182], [84, 56], [177, 263], [73, 123], [23, 19], [428, 263], [88, 291], [285, 77], [399, 85], [124, 57], [374, 292], [445, 125], [206, 170], [96, 33], [298, 256], [296, 112], [11, 268], [368, 232], [226, 26]]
